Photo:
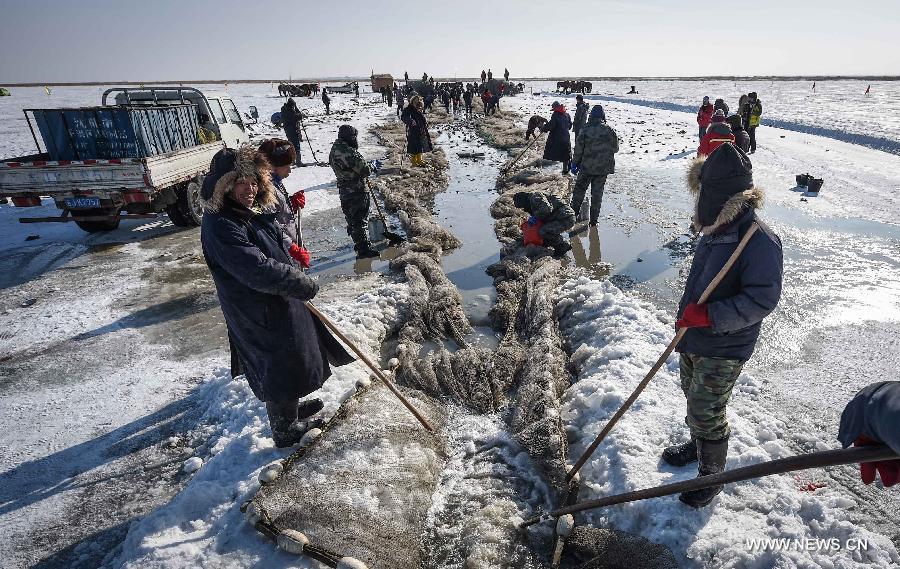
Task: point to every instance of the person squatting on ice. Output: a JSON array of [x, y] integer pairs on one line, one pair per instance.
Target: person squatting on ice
[[873, 417], [716, 135], [722, 333], [594, 159], [290, 117], [351, 171], [558, 147], [549, 217], [283, 349], [418, 141]]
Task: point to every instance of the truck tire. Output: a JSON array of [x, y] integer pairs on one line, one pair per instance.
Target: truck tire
[[187, 211], [95, 226]]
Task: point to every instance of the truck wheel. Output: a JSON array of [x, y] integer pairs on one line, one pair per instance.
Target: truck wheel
[[187, 211], [95, 226]]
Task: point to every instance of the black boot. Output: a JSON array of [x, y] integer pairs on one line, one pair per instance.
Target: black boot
[[286, 429], [365, 251], [309, 408], [559, 251], [712, 455], [681, 455]]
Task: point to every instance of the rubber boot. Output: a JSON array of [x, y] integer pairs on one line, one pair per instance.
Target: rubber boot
[[681, 455], [286, 429], [559, 251], [712, 455], [364, 250]]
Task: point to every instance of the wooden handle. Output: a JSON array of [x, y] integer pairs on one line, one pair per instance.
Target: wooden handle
[[710, 288], [779, 466], [513, 163], [375, 369], [377, 206]]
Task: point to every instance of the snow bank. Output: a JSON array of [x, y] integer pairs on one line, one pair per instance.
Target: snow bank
[[614, 339], [203, 525]]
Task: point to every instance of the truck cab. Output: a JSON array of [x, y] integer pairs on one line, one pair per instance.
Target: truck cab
[[216, 111]]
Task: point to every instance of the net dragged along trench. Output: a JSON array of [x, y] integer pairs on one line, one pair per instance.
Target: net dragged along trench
[[374, 485]]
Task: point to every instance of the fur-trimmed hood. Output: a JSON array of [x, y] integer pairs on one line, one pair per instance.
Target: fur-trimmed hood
[[738, 203], [249, 164]]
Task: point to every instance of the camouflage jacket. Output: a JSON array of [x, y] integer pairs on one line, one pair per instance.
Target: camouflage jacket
[[595, 149], [547, 207], [349, 167]]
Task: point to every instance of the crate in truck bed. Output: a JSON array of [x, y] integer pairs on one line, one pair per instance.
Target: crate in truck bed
[[116, 132]]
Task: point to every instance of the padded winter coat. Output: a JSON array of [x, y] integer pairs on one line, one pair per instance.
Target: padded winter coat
[[559, 143], [747, 294], [284, 349], [284, 215], [581, 110], [417, 138], [595, 149], [716, 135], [741, 139], [874, 412], [704, 115], [755, 113]]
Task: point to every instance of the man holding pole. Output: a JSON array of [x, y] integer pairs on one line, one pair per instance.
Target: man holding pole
[[723, 331]]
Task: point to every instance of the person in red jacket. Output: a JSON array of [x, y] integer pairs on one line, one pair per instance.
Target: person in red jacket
[[704, 115], [718, 133]]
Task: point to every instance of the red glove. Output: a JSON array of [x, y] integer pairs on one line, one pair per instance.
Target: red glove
[[298, 201], [888, 469], [695, 316], [300, 255], [531, 233]]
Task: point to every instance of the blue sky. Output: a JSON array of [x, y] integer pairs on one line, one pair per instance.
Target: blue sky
[[94, 40]]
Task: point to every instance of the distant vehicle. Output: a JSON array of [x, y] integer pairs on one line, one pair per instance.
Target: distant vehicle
[[4, 92], [143, 153], [345, 88]]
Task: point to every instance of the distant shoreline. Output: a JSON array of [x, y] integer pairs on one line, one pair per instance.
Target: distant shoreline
[[444, 79]]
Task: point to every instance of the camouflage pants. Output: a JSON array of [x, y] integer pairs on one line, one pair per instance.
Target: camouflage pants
[[355, 205], [707, 384], [550, 231], [597, 183]]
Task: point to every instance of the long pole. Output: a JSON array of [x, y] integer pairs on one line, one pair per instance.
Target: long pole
[[513, 163], [779, 466], [325, 320], [665, 355]]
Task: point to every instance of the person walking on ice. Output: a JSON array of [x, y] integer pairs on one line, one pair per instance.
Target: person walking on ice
[[593, 160], [351, 171], [722, 332]]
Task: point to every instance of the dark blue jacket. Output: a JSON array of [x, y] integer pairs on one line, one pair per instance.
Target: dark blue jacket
[[747, 294], [559, 143], [284, 349], [875, 413]]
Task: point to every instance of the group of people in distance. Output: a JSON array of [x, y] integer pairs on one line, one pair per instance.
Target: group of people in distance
[[717, 126]]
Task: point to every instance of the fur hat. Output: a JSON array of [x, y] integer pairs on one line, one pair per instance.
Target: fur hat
[[416, 101], [723, 187], [278, 152], [248, 164]]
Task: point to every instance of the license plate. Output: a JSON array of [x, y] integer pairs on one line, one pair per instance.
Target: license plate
[[82, 203]]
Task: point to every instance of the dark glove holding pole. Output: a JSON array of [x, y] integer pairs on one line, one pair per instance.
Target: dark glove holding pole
[[300, 255], [298, 201], [694, 316]]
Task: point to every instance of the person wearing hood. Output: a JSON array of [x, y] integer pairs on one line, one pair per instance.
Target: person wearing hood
[[581, 110], [418, 140], [290, 117], [284, 350], [351, 171], [704, 116], [558, 147], [326, 100], [594, 159], [741, 138], [721, 105], [716, 135], [549, 217], [722, 332], [280, 155]]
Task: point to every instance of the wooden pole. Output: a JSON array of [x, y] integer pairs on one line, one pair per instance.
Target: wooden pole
[[798, 462], [665, 355], [513, 163], [375, 369]]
